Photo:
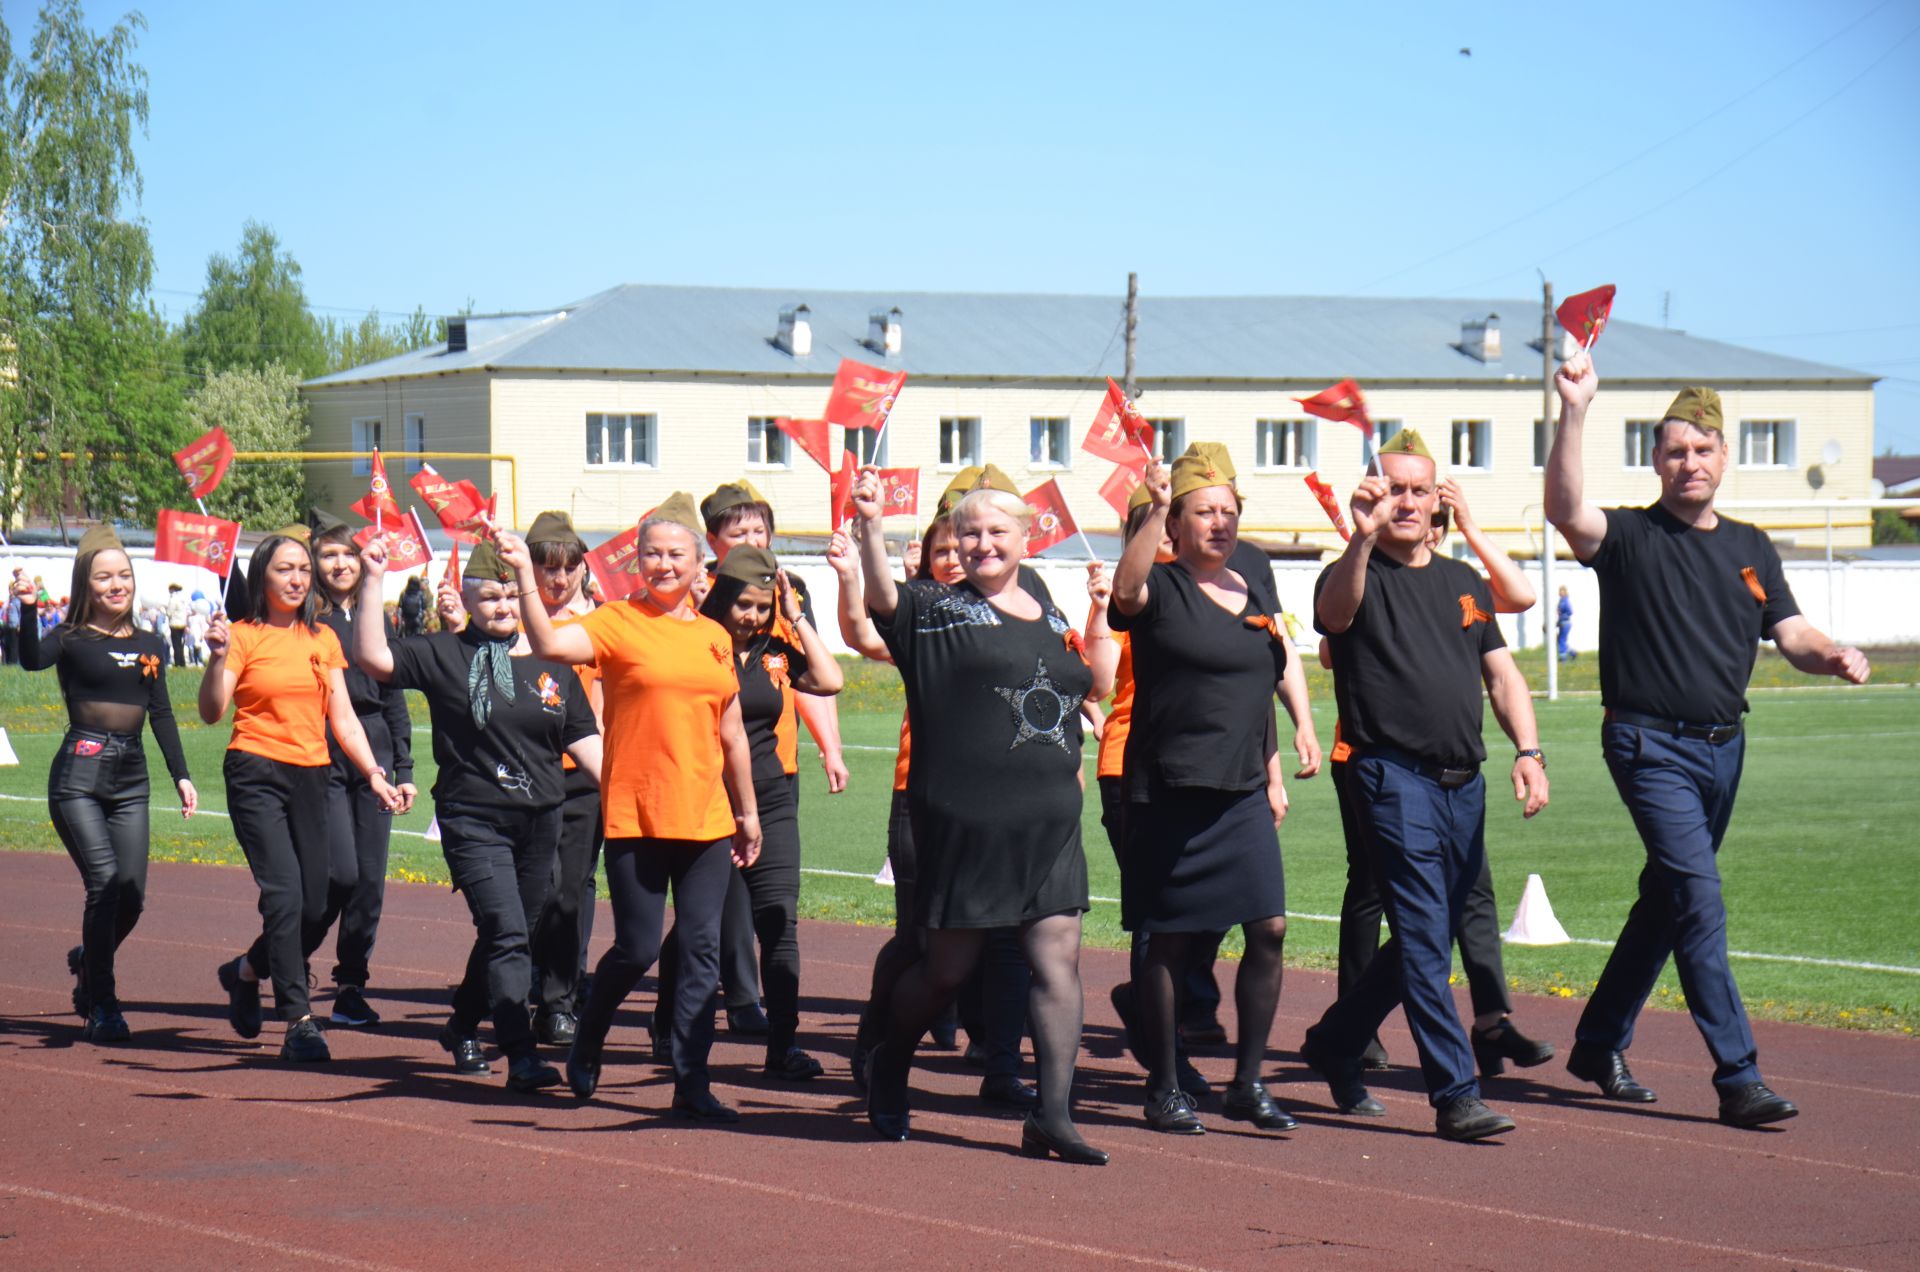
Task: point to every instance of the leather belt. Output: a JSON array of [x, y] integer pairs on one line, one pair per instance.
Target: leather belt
[[1714, 733], [1447, 779]]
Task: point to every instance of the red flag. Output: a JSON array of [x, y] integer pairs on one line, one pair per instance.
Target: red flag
[[1052, 522], [840, 490], [405, 551], [204, 461], [191, 538], [1585, 316], [452, 576], [863, 396], [1119, 487], [377, 504], [1119, 432], [809, 435], [616, 565], [1328, 503], [454, 502], [899, 492], [1342, 402]]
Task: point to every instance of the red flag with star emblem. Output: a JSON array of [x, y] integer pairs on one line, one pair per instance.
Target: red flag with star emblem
[[1119, 433], [1052, 521], [1342, 403], [900, 492], [1328, 503], [454, 503], [405, 550], [615, 565], [204, 461], [863, 396], [452, 576], [191, 538], [377, 504], [1585, 316], [1118, 488], [810, 436]]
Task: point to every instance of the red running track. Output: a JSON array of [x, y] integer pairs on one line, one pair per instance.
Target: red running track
[[188, 1148]]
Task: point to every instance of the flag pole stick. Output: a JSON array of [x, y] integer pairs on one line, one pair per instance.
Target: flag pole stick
[[1086, 543], [420, 529], [233, 563]]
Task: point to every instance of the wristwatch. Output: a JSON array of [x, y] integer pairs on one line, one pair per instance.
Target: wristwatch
[[1533, 753]]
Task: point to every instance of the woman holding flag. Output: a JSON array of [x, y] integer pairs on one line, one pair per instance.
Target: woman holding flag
[[113, 679]]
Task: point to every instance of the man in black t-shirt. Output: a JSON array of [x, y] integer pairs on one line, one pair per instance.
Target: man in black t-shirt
[[1413, 638], [1686, 595]]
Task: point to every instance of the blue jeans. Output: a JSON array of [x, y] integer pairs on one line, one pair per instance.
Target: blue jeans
[[1680, 792]]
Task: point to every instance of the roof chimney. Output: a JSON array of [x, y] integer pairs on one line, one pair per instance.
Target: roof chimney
[[456, 335], [1480, 338], [796, 331], [883, 331]]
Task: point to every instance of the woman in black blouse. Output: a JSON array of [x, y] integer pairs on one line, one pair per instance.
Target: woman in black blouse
[[1201, 852], [114, 678]]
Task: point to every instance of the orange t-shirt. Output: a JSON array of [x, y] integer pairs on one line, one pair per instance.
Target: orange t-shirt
[[1113, 738], [280, 688], [588, 673], [903, 761], [665, 684]]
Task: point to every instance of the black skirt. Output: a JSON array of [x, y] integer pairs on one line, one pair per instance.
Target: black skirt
[[1200, 860]]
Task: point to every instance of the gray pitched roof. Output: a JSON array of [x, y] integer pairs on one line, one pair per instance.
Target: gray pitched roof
[[1292, 338]]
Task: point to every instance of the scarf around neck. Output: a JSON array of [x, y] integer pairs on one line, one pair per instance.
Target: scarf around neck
[[490, 662]]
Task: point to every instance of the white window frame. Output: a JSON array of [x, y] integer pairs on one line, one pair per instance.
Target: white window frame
[[413, 437], [768, 449], [366, 437], [1271, 452], [959, 442], [1384, 431], [1631, 452], [1169, 437], [1783, 450], [1542, 446], [621, 425], [1049, 443], [861, 443], [1480, 431]]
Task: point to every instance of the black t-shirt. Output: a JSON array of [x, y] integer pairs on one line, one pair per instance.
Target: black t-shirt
[[1682, 613], [102, 676], [372, 700], [1204, 683], [515, 761], [1407, 672], [771, 661]]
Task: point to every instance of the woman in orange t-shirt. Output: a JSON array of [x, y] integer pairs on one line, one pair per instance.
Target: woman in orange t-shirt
[[676, 790], [285, 675]]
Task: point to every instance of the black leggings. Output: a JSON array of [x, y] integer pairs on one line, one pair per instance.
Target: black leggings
[[99, 807], [565, 924], [639, 874], [358, 835], [278, 817], [501, 861]]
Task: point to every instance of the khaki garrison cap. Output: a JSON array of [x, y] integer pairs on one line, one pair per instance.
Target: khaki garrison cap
[[1204, 464], [678, 508], [753, 566], [731, 495], [1406, 442], [1699, 407], [100, 538], [554, 527], [484, 563]]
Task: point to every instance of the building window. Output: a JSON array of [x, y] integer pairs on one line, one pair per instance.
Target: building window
[[1169, 439], [415, 430], [1385, 431], [620, 441], [1766, 444], [1047, 442], [959, 441], [366, 437], [1542, 442], [870, 445], [1284, 444], [767, 446], [1473, 444], [1642, 436]]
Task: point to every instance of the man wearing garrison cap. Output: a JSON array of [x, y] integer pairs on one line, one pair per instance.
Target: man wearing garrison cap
[[1673, 678], [1412, 639]]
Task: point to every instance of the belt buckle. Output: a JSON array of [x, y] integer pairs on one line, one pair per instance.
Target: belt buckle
[[1452, 779], [1722, 733]]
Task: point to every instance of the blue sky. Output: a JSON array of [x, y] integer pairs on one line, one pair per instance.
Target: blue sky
[[524, 156]]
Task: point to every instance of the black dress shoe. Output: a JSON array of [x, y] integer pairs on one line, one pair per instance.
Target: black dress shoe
[[468, 1057], [1204, 1033], [662, 1044], [1755, 1105], [1466, 1119], [82, 998], [1492, 1048], [975, 1056], [1190, 1079], [1008, 1091], [243, 1000], [1342, 1076], [1172, 1114], [1609, 1070], [701, 1106], [748, 1020], [556, 1028], [1036, 1141], [1375, 1058], [792, 1065], [530, 1073], [1251, 1103], [583, 1064], [105, 1024], [304, 1043]]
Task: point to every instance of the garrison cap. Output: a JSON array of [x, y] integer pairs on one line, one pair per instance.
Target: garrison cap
[[99, 538], [554, 527], [732, 495], [1700, 407], [1138, 497], [298, 530], [968, 480], [678, 508], [320, 521], [483, 564], [1406, 442], [753, 566], [1204, 464]]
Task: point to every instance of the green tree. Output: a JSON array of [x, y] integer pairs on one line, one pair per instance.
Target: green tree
[[371, 340], [261, 411], [253, 311]]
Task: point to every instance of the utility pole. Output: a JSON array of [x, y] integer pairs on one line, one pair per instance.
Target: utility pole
[[1127, 385], [1549, 599]]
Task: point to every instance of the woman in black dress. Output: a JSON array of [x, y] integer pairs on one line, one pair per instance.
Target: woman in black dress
[[1201, 849], [994, 683]]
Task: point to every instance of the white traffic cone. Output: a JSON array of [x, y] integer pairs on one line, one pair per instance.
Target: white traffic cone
[[433, 831], [1534, 922], [7, 756], [885, 877]]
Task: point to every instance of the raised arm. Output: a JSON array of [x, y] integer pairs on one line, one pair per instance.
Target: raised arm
[[570, 644], [1583, 524], [1811, 650], [370, 652], [217, 681], [1513, 708], [850, 607], [823, 677], [883, 597], [1512, 594], [1136, 562], [1103, 651], [1340, 595]]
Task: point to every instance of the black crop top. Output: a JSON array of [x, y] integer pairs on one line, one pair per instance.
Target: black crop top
[[111, 683]]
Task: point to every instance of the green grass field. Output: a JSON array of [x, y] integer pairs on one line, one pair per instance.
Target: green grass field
[[1822, 862]]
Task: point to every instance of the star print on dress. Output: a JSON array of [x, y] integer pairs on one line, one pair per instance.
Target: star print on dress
[[1040, 710]]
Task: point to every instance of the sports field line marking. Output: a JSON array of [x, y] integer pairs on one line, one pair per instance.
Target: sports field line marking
[[264, 1244], [683, 1173]]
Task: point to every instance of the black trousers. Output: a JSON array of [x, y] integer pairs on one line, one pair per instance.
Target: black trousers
[[276, 810], [1197, 992], [359, 831], [565, 923], [179, 635], [640, 872], [501, 861], [99, 807]]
